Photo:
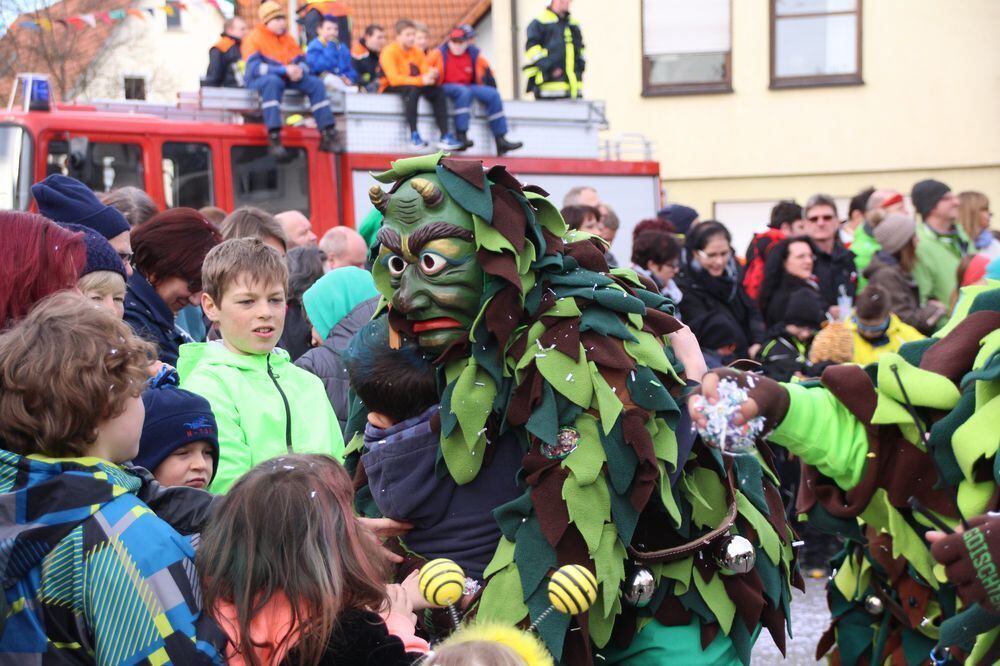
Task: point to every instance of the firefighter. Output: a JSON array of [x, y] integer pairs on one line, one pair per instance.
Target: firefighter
[[224, 58], [365, 55], [275, 61], [554, 54]]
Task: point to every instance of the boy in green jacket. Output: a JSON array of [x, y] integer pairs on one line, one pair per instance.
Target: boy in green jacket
[[264, 405], [920, 424]]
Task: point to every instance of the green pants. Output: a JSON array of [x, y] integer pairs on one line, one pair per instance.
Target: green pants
[[657, 644]]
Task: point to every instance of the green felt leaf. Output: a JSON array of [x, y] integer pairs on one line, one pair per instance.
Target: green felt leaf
[[604, 322], [667, 495], [564, 307], [544, 420], [647, 391], [615, 298], [568, 376], [503, 556], [448, 418], [609, 405], [635, 321], [974, 497], [403, 168], [882, 516], [472, 401], [356, 444], [977, 438], [463, 463], [713, 593], [678, 571], [478, 201], [588, 459], [454, 369], [502, 601], [624, 515], [601, 620], [609, 561], [770, 577], [580, 277], [923, 387], [589, 508], [622, 460], [851, 577], [534, 556], [510, 515], [547, 214], [766, 536], [648, 350], [628, 275], [489, 237], [664, 441], [750, 481], [707, 495]]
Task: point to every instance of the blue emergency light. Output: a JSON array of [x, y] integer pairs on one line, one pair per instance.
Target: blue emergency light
[[36, 91]]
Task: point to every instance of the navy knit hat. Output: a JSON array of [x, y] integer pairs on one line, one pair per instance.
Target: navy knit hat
[[680, 216], [100, 255], [805, 308], [175, 417], [66, 200], [926, 194]]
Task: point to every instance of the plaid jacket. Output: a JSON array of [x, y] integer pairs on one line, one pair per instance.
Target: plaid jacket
[[90, 574]]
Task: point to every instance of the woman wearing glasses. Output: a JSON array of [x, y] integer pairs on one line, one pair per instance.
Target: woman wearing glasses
[[168, 253], [716, 307]]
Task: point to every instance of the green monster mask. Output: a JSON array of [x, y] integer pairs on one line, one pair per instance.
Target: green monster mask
[[426, 264]]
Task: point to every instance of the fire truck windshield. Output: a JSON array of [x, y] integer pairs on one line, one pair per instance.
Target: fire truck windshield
[[15, 167]]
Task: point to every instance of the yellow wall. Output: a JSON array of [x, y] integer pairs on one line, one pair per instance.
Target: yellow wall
[[930, 104]]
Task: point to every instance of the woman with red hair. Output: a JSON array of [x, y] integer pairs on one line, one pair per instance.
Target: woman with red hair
[[37, 258], [168, 252]]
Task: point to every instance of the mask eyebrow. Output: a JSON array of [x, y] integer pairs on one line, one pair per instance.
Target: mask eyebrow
[[435, 231], [390, 239]]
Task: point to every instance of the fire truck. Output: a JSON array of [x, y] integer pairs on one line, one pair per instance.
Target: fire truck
[[207, 149]]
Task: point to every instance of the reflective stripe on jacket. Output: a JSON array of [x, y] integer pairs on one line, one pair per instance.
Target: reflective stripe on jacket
[[554, 42]]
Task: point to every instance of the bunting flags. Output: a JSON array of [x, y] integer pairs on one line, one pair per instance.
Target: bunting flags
[[90, 20]]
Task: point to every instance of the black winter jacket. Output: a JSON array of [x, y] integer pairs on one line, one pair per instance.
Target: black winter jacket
[[719, 311], [223, 63], [546, 51], [835, 269], [151, 319], [325, 361]]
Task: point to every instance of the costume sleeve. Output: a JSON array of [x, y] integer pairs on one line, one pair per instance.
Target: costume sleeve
[[139, 600], [396, 68], [216, 73], [234, 451], [819, 429], [535, 54]]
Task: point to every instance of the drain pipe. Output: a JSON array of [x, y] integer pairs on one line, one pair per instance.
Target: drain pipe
[[515, 49]]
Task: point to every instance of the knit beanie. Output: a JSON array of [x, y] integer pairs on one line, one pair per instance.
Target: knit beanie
[[68, 201], [681, 216], [926, 194], [100, 255], [270, 10], [805, 308], [175, 417], [336, 294], [894, 232]]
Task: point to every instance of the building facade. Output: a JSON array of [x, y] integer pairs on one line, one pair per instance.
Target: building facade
[[746, 103]]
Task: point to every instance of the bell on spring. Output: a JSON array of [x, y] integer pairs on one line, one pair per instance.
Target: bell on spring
[[735, 554], [639, 587], [874, 605]]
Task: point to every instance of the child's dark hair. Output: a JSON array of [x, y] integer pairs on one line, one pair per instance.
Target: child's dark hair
[[575, 215], [872, 303], [399, 383]]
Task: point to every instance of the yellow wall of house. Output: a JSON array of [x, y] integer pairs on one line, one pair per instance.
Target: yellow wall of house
[[929, 106]]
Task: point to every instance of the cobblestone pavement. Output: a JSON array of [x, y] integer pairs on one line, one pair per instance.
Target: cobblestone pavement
[[810, 618]]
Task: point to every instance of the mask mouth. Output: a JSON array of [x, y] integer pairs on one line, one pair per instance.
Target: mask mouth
[[435, 324]]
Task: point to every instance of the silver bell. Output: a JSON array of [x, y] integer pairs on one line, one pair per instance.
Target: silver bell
[[735, 555], [874, 605], [639, 587]]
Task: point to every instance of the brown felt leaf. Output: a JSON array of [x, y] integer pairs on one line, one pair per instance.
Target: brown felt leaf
[[501, 264], [588, 255], [553, 244], [504, 312], [508, 217], [606, 352], [747, 593], [565, 335], [499, 175], [545, 478], [471, 171], [660, 323], [647, 472], [525, 396]]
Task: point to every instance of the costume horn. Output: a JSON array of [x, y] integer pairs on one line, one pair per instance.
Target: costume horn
[[379, 198], [431, 194]]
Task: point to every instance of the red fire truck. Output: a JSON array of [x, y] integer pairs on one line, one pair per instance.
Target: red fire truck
[[204, 151]]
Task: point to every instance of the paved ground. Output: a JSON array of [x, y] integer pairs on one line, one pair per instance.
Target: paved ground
[[810, 618]]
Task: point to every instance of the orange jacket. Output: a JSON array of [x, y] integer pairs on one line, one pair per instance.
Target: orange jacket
[[481, 76], [398, 65], [282, 49]]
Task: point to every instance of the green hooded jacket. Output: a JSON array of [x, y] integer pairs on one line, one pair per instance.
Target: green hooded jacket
[[938, 257], [264, 406], [864, 246]]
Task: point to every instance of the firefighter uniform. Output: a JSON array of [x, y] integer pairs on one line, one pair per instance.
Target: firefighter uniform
[[225, 64], [554, 43]]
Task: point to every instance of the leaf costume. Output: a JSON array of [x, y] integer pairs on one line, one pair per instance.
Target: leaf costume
[[573, 361], [866, 458]]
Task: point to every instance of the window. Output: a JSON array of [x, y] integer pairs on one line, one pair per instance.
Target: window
[[258, 180], [686, 47], [173, 11], [815, 43], [135, 87], [187, 175], [100, 166]]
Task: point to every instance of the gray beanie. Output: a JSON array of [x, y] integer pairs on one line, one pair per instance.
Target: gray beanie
[[926, 194], [894, 232]]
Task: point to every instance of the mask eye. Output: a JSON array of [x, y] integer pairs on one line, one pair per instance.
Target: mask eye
[[396, 265], [431, 264]]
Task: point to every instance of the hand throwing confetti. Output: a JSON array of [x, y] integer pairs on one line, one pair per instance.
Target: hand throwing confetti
[[720, 430]]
